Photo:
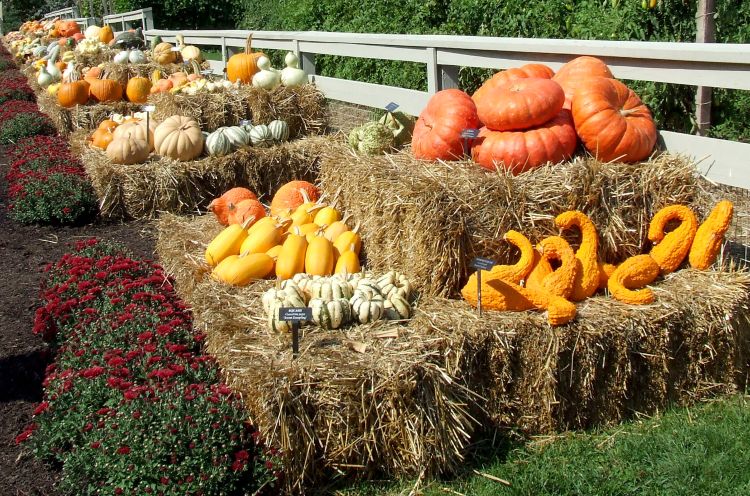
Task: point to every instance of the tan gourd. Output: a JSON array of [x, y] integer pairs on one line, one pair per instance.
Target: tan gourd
[[291, 259], [319, 257]]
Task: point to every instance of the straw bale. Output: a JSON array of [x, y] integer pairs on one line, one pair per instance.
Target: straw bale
[[122, 72], [412, 403], [83, 117], [429, 220], [162, 184], [303, 108]]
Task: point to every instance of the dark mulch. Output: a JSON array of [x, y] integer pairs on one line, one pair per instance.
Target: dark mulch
[[24, 251]]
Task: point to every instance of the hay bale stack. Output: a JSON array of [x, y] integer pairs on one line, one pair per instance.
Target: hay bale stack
[[123, 72], [303, 108], [338, 410], [162, 184], [429, 220], [81, 117]]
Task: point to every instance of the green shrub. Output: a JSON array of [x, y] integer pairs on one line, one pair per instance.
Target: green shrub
[[57, 198], [25, 125]]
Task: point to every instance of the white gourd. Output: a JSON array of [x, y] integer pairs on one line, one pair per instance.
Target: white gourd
[[217, 143], [279, 130], [121, 57], [237, 136], [367, 306], [92, 33], [45, 78], [53, 70], [137, 57], [289, 293], [292, 75], [394, 283], [68, 72], [397, 308], [266, 78], [331, 314], [260, 135], [329, 289]]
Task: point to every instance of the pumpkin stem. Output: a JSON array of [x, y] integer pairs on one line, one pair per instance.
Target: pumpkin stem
[[627, 112], [305, 197], [248, 43], [248, 221], [356, 228]]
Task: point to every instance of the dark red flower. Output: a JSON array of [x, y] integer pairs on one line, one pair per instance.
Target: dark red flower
[[123, 450]]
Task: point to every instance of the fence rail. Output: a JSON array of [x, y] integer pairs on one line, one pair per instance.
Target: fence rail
[[68, 13], [716, 65]]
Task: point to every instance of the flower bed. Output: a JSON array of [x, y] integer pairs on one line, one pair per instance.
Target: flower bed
[[46, 184], [14, 86], [131, 404]]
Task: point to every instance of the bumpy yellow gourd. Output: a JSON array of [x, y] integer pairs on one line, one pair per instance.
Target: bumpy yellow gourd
[[541, 269], [510, 273], [227, 242], [291, 259], [586, 282], [672, 248], [710, 236], [319, 257], [605, 272], [629, 277], [244, 269], [507, 296], [560, 281]]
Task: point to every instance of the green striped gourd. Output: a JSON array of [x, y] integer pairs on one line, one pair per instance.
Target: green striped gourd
[[331, 314], [261, 135], [237, 136], [367, 306], [218, 143], [279, 130], [397, 308], [329, 289]]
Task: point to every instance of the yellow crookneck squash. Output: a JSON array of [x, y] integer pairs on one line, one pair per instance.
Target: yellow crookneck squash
[[586, 281], [710, 236], [560, 281], [672, 248], [627, 283]]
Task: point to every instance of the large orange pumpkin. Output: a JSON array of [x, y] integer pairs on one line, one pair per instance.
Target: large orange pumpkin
[[138, 89], [289, 196], [72, 93], [576, 72], [502, 77], [105, 90], [243, 66], [520, 104], [437, 133], [519, 151], [613, 122], [241, 212]]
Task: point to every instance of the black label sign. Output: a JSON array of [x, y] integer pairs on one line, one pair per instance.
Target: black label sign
[[470, 133], [480, 263], [391, 106], [295, 314]]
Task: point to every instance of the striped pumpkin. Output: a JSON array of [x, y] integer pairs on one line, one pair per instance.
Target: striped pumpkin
[[218, 143], [367, 306], [261, 135], [279, 130], [331, 314], [330, 289], [237, 136]]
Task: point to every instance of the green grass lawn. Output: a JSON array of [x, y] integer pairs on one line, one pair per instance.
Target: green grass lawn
[[703, 450]]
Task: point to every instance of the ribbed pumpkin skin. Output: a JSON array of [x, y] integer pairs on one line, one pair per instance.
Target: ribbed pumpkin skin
[[575, 73], [105, 90], [138, 89], [127, 150], [138, 130], [218, 143], [246, 212], [520, 104], [260, 135], [520, 151], [437, 133], [178, 138], [503, 77], [319, 257], [227, 242], [613, 122], [279, 130], [291, 259], [163, 53], [237, 136], [72, 94]]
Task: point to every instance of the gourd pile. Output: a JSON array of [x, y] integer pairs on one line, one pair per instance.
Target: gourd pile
[[125, 141], [298, 235], [341, 299], [530, 116], [532, 283], [390, 132]]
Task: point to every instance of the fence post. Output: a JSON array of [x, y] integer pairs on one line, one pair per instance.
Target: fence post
[[433, 85], [308, 63], [448, 77], [706, 33]]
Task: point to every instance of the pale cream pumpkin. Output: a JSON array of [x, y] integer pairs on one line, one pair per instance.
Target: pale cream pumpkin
[[179, 138], [127, 150], [137, 128]]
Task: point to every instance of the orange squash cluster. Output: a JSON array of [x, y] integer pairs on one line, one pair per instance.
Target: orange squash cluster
[[533, 283], [299, 234], [529, 116]]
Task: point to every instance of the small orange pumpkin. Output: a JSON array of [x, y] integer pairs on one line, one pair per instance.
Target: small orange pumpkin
[[105, 90], [221, 205], [106, 34], [138, 89], [244, 211], [243, 66], [101, 138], [72, 93]]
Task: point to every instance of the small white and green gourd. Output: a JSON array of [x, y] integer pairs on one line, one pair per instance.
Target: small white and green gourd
[[329, 289], [279, 130], [218, 144], [397, 308], [331, 314], [367, 285], [137, 57], [281, 297], [261, 136], [122, 57], [372, 138], [305, 282], [292, 75], [44, 78], [393, 283], [367, 306], [39, 51], [237, 136], [266, 78], [351, 279]]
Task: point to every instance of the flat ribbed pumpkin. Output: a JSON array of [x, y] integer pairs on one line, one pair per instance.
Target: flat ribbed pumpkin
[[178, 138], [520, 151], [437, 133], [520, 104], [575, 73], [503, 77], [613, 122]]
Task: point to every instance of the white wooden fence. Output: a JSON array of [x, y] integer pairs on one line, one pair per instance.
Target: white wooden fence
[[706, 64]]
